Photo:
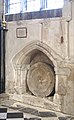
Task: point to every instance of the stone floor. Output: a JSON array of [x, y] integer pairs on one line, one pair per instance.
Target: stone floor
[[13, 110]]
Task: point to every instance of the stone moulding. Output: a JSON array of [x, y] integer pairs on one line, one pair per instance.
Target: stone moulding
[[52, 55], [21, 65]]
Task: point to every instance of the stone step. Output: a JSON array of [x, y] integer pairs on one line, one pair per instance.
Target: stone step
[[35, 101]]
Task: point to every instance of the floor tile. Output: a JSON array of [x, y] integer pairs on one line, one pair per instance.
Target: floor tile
[[3, 115], [34, 118], [27, 112], [3, 110], [15, 115], [15, 119], [62, 118], [47, 114]]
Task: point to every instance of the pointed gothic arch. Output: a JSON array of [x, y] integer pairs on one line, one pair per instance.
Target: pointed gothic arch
[[22, 64], [37, 45]]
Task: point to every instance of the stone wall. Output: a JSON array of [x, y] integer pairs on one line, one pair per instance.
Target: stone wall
[[1, 9], [54, 38], [44, 31]]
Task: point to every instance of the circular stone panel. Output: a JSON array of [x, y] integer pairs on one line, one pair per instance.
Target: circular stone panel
[[40, 79]]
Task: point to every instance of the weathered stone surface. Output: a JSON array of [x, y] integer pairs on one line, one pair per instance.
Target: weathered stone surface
[[3, 97], [36, 101], [61, 82], [40, 79], [43, 35], [1, 9]]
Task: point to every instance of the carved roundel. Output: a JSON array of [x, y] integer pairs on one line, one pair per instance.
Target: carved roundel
[[40, 79]]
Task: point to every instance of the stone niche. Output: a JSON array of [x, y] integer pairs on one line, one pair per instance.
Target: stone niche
[[34, 73], [40, 77]]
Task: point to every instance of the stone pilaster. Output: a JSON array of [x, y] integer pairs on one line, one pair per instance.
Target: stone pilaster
[[61, 85], [20, 78]]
